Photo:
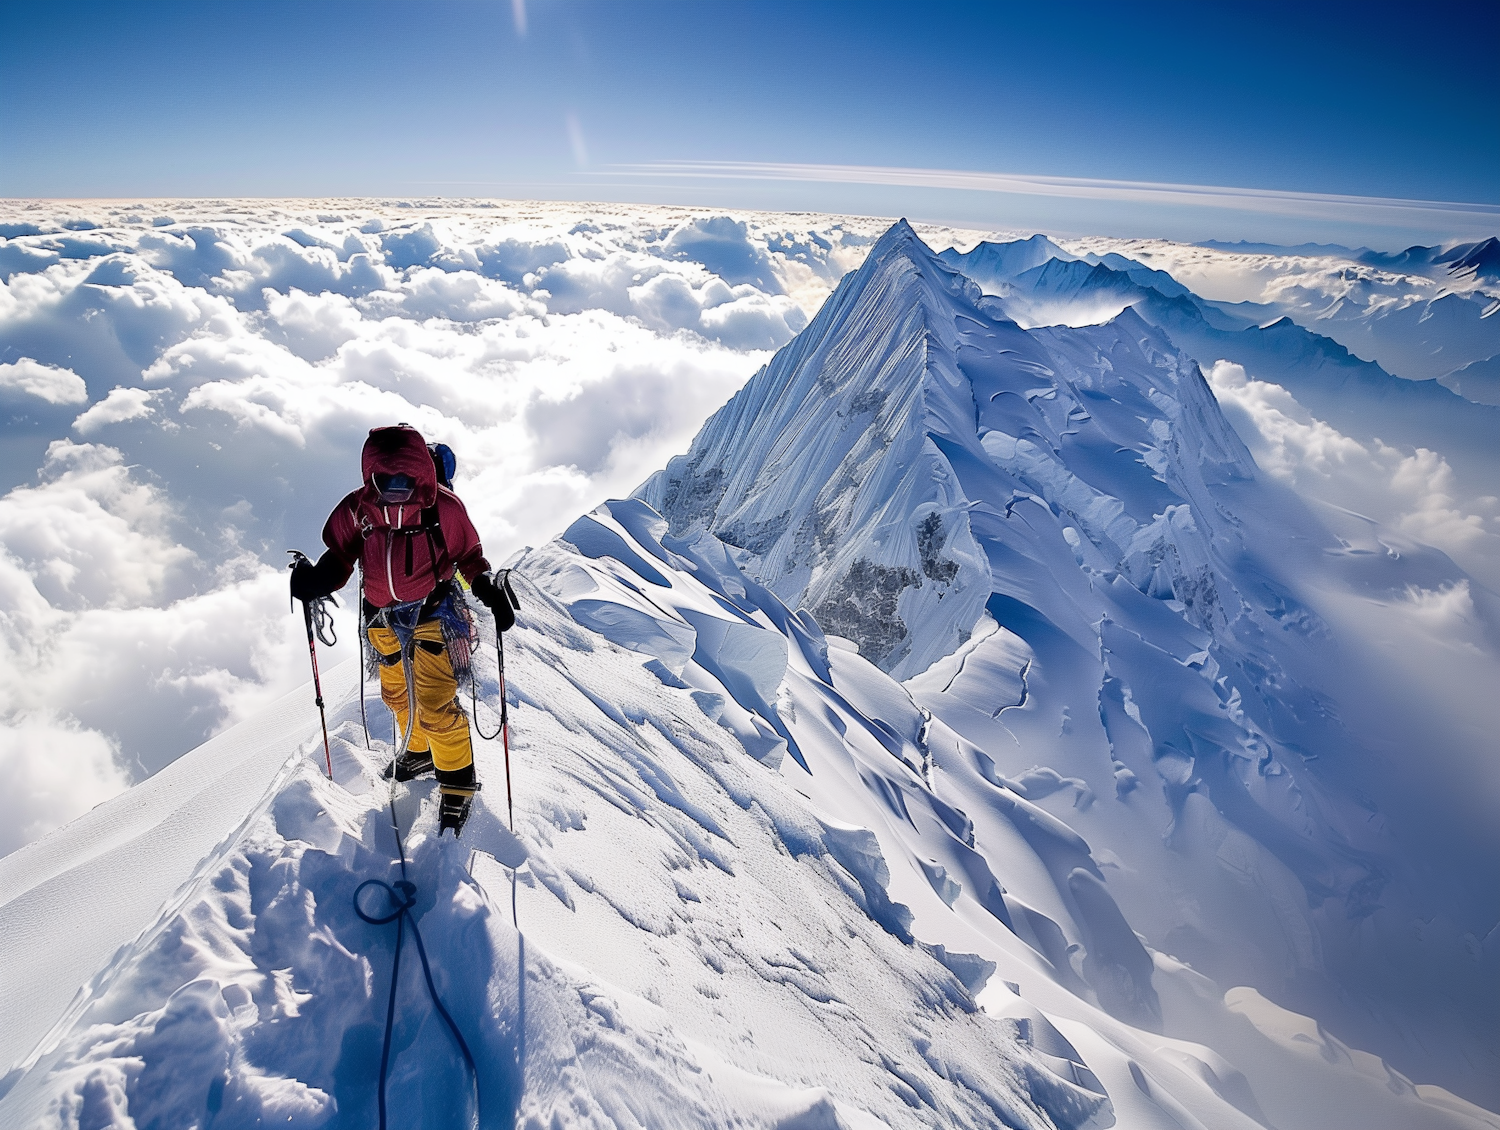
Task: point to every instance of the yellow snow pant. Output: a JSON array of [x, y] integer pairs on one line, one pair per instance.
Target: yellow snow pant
[[441, 724]]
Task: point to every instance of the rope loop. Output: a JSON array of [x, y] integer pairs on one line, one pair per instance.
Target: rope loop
[[322, 619], [407, 900], [402, 897]]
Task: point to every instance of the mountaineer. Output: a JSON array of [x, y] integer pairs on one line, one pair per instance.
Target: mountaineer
[[409, 534]]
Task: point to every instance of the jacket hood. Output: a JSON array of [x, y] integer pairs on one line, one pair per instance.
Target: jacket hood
[[399, 450]]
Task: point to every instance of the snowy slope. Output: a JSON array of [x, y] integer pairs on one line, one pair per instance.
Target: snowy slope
[[696, 952], [915, 467], [706, 941], [1478, 381], [977, 863], [964, 733], [102, 879]]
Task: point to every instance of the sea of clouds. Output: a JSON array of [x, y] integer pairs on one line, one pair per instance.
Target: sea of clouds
[[186, 388]]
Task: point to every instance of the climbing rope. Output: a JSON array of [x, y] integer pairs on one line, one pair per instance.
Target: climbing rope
[[322, 619], [503, 731], [402, 897], [474, 694], [402, 904]]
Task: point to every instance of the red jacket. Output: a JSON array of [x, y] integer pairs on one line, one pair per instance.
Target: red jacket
[[403, 559]]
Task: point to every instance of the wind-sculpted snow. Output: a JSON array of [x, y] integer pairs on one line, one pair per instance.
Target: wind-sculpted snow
[[948, 851], [756, 886], [1177, 620], [699, 947]]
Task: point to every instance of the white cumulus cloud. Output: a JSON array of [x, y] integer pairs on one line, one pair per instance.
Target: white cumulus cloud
[[52, 383], [54, 770], [237, 356], [120, 405], [90, 534]]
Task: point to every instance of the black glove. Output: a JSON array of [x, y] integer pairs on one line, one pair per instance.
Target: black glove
[[310, 581], [498, 597]]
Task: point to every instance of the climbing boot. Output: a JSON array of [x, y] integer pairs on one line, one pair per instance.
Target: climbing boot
[[457, 788], [410, 765], [453, 813]]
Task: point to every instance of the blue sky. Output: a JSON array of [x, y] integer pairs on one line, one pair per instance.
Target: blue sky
[[730, 103]]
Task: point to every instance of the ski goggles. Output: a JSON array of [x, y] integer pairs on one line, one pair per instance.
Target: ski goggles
[[395, 488]]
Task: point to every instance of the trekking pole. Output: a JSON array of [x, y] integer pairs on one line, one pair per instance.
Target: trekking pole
[[510, 804], [313, 632], [503, 733]]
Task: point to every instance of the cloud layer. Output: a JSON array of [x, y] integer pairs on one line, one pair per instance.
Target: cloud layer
[[189, 386], [1412, 492]]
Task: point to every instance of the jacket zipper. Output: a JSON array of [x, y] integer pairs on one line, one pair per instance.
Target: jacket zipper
[[390, 577]]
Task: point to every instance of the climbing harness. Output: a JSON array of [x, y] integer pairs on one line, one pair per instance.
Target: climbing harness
[[402, 619], [319, 623]]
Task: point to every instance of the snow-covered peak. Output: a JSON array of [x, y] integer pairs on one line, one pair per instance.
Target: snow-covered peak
[[992, 264], [841, 467], [1482, 260], [918, 471]]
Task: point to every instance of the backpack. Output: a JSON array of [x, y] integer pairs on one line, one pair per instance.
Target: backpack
[[444, 462]]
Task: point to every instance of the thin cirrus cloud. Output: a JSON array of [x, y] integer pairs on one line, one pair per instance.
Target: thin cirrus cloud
[[1376, 210]]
